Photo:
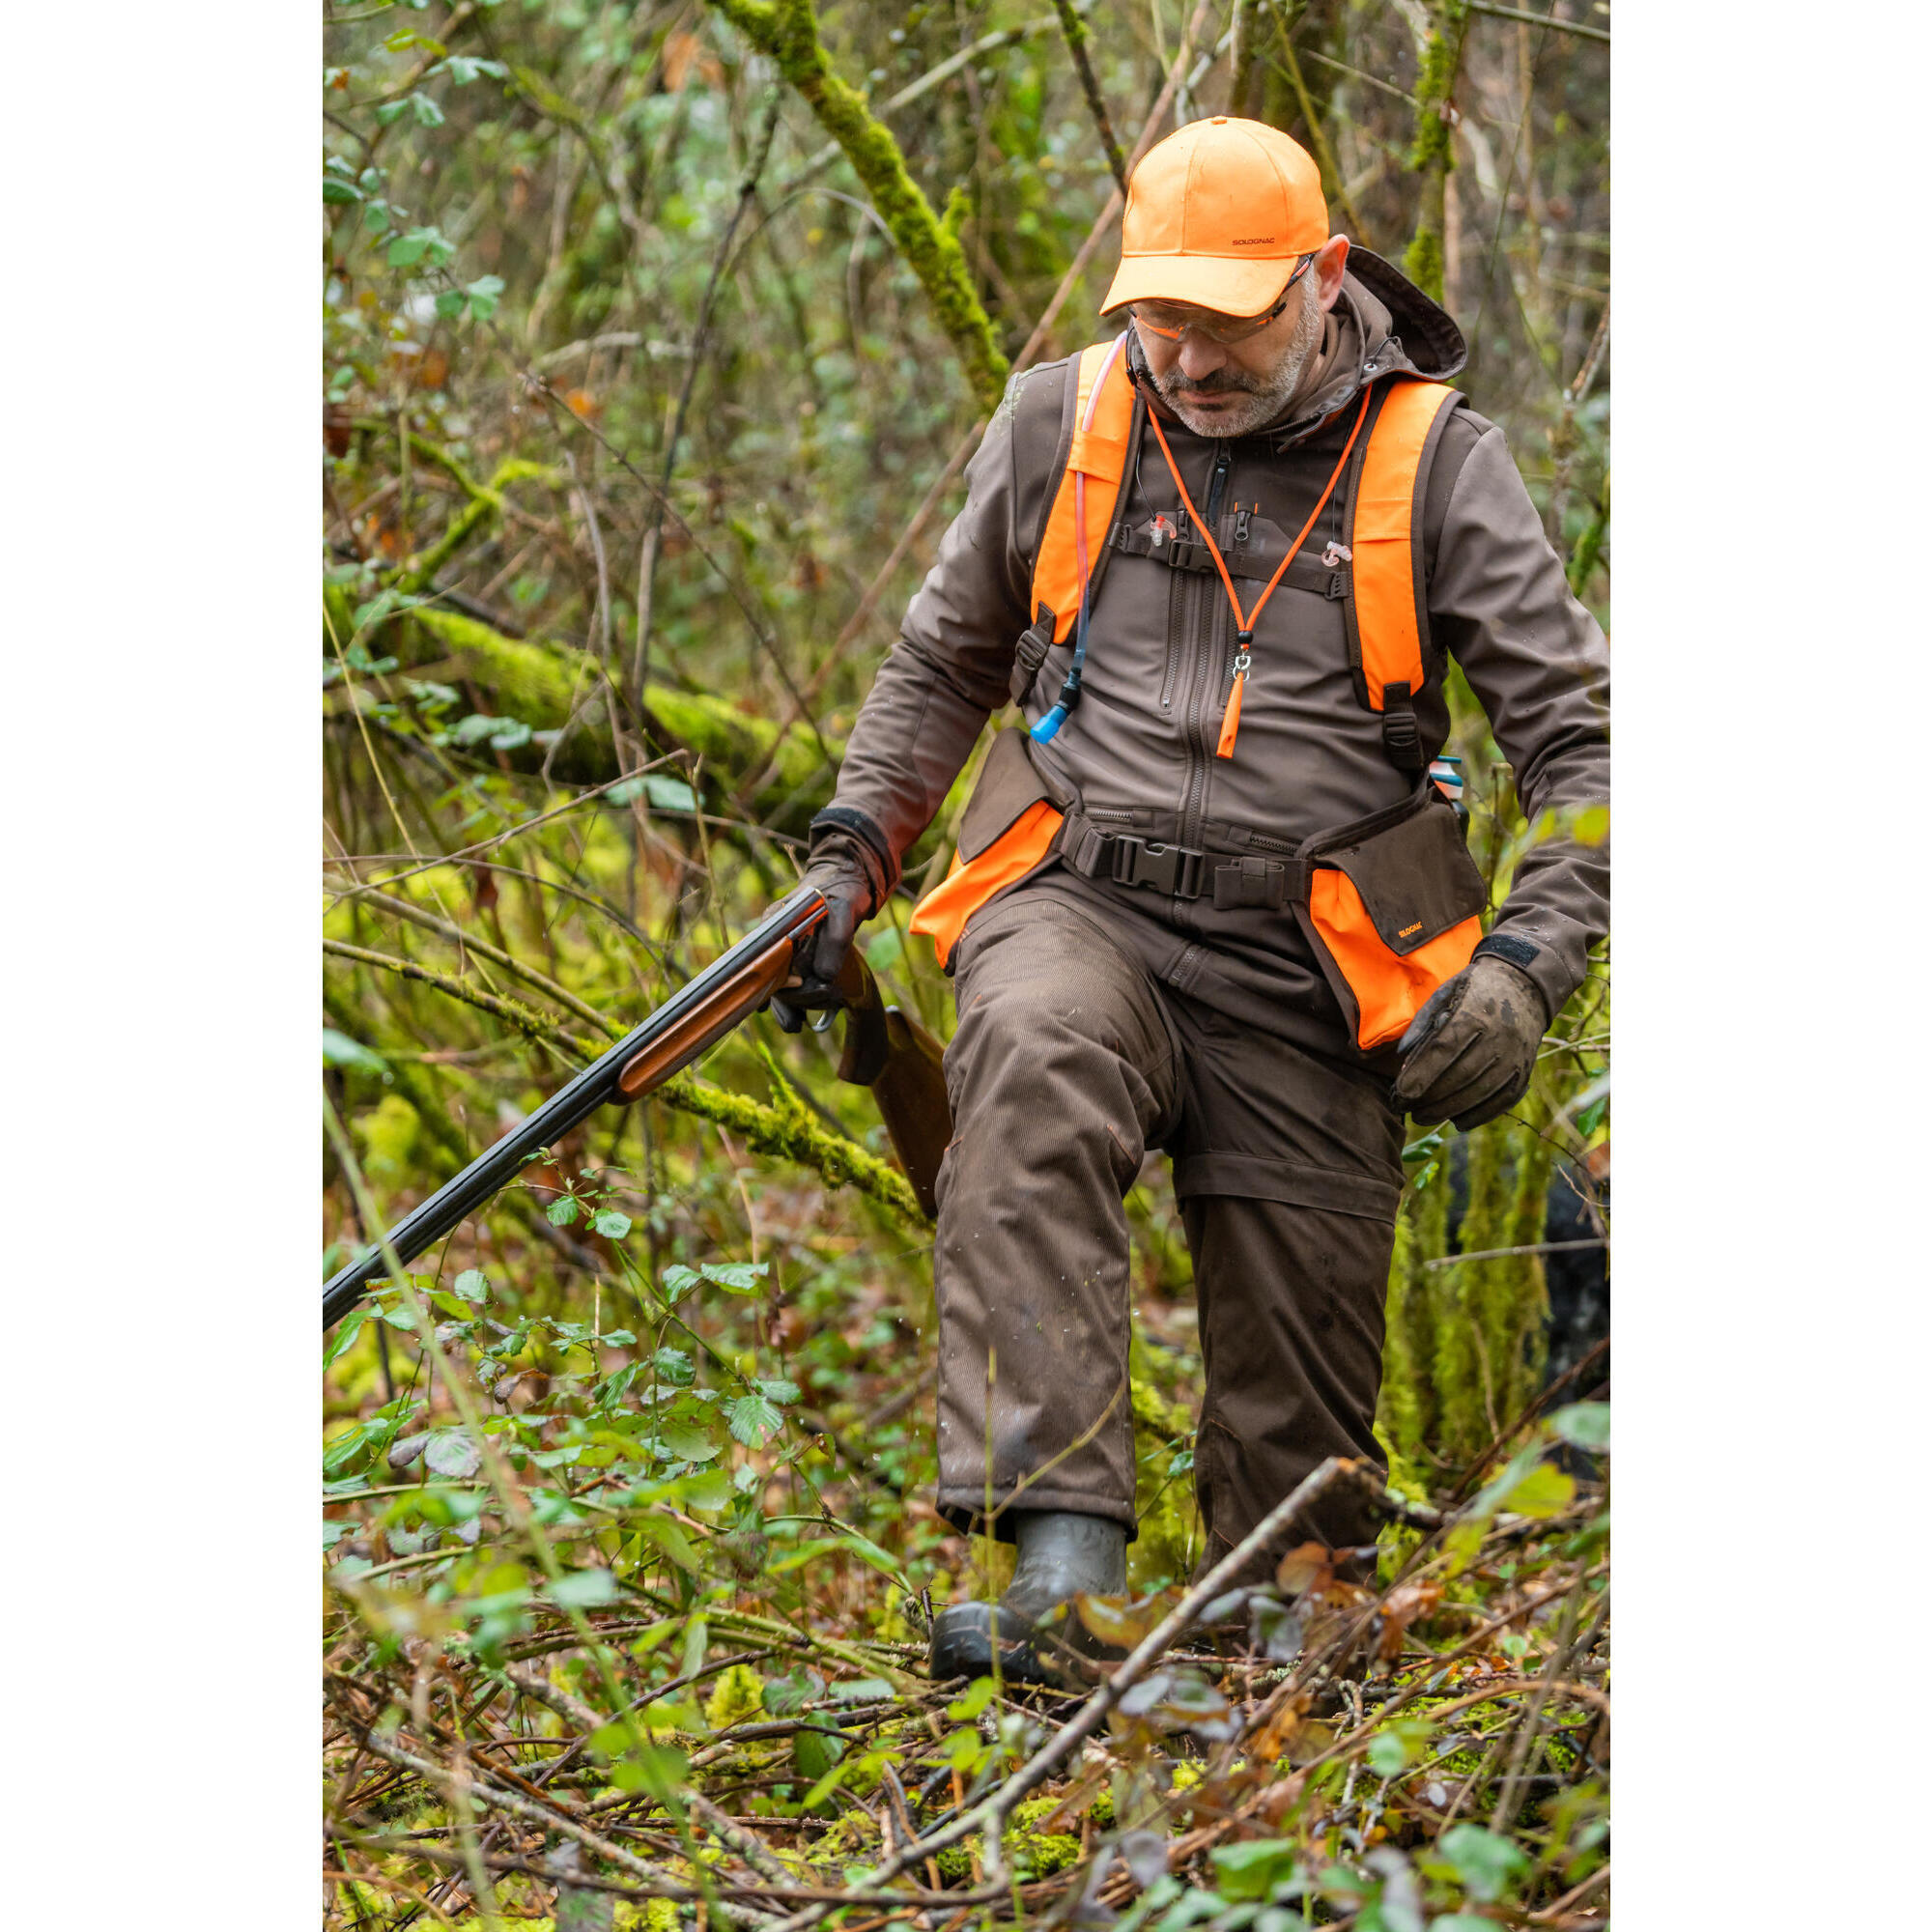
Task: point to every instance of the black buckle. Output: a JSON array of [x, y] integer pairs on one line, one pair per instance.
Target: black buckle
[[1173, 869]]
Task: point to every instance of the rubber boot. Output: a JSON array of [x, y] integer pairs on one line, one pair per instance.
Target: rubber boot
[[1062, 1555]]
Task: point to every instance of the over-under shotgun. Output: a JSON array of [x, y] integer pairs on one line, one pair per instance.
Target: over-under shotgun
[[893, 1055]]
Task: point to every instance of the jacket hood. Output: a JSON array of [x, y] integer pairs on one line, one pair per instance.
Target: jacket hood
[[1382, 322]]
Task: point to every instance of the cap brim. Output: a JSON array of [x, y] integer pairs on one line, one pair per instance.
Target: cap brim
[[1204, 281]]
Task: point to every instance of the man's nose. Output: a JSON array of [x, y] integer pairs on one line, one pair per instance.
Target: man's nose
[[1200, 356]]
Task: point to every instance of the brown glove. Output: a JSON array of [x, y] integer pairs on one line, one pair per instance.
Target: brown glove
[[1469, 1054]]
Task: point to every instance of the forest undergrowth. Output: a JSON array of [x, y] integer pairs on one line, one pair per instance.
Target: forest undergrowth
[[655, 339]]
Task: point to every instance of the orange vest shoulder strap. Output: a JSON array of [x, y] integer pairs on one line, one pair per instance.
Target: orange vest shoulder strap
[[1090, 484], [1385, 537]]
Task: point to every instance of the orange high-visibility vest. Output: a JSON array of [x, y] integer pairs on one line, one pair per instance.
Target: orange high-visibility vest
[[1386, 618]]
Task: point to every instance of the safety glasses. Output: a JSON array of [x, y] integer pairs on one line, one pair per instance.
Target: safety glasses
[[1172, 324]]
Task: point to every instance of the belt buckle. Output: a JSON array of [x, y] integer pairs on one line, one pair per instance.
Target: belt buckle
[[1175, 870]]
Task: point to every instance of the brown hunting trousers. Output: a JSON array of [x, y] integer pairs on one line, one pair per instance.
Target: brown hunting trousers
[[1069, 1064]]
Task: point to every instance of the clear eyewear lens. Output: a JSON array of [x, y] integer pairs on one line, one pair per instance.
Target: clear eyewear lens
[[1171, 325]]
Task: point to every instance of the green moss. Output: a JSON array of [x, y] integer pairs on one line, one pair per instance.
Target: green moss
[[954, 1863], [388, 1135], [739, 1693], [1422, 263]]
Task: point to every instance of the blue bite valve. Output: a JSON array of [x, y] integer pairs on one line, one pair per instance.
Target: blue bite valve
[[1049, 724]]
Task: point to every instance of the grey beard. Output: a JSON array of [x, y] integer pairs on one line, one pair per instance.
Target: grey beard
[[1267, 395]]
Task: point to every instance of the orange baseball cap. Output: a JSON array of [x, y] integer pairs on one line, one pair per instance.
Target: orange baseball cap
[[1217, 216]]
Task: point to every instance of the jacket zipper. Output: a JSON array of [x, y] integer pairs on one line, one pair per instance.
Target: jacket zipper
[[1202, 718], [1178, 600]]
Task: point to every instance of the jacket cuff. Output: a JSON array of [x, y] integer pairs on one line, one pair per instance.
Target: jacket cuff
[[1536, 964], [847, 823]]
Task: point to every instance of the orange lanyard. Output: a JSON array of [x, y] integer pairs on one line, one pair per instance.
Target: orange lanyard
[[1244, 627]]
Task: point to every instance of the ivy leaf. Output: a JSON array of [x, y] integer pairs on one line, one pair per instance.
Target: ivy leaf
[[752, 1420]]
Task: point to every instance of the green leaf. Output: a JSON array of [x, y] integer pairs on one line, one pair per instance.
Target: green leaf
[[706, 1488], [667, 793], [688, 1442], [883, 951], [752, 1420], [564, 1210], [1586, 1424], [778, 1391], [338, 191], [419, 244], [671, 1538], [675, 1366], [428, 114], [584, 1589], [736, 1277], [449, 304], [1545, 1490], [452, 1453], [1251, 1870], [656, 1769], [963, 1710], [463, 68], [473, 1285], [339, 1050], [1484, 1862], [1386, 1754], [483, 295], [610, 1224], [679, 1281], [344, 1336]]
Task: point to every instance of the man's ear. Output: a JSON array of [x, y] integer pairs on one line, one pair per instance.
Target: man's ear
[[1330, 265]]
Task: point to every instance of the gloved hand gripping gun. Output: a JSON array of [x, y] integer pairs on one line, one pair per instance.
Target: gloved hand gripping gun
[[885, 1050]]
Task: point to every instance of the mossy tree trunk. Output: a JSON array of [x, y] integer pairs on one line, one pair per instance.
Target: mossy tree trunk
[[1432, 154], [787, 31]]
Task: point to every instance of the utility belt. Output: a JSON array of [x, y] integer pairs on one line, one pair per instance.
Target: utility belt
[[1179, 871], [1390, 903]]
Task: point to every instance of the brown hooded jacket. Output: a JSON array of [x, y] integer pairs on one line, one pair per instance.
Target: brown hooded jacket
[[1137, 754]]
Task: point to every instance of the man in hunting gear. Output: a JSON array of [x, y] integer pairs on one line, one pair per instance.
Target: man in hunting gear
[[1214, 900]]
